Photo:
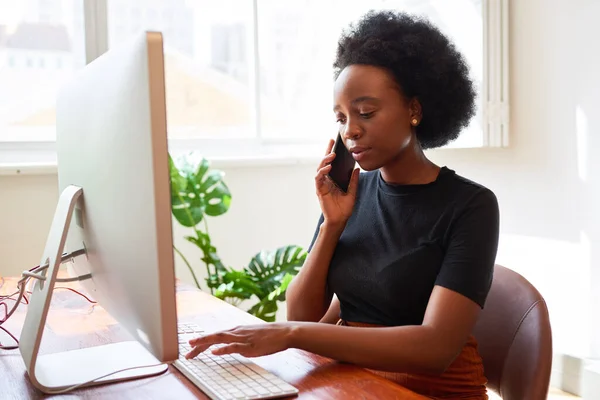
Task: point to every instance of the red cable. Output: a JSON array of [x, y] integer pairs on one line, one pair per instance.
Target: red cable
[[3, 303], [79, 293], [25, 292], [8, 296], [5, 312], [11, 298], [14, 347]]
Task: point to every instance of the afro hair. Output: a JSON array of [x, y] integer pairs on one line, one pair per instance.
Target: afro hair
[[425, 64]]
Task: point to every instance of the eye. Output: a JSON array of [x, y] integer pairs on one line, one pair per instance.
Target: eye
[[341, 120], [367, 115]]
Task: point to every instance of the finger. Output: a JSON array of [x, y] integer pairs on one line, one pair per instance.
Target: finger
[[324, 170], [329, 156], [326, 160], [321, 174], [195, 351], [202, 345], [353, 186], [329, 146], [214, 338], [204, 342], [239, 348]]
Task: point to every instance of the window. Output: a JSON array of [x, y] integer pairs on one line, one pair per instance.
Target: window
[[297, 44], [206, 62], [257, 71], [28, 84]]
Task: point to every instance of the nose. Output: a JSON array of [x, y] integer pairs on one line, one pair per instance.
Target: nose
[[352, 130]]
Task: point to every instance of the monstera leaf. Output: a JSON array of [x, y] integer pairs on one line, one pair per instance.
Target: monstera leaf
[[196, 190], [266, 309], [268, 269], [233, 284], [266, 278]]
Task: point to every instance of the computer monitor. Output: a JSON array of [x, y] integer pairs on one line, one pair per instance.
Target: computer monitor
[[115, 203]]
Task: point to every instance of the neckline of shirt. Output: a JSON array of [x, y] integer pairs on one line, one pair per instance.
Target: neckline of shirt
[[407, 189]]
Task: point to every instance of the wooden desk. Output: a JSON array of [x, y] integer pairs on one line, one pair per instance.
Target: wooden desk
[[72, 323]]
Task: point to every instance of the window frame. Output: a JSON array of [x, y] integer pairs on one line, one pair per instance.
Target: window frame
[[39, 156]]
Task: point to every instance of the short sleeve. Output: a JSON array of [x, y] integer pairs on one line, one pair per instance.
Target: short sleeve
[[468, 265], [314, 239]]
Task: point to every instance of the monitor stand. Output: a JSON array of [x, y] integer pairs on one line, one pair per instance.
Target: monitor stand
[[55, 372]]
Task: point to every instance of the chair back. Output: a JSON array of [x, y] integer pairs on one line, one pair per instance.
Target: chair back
[[514, 338]]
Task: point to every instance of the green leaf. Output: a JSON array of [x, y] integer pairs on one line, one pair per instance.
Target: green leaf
[[196, 190], [180, 203], [190, 164], [268, 269], [188, 213], [234, 284], [265, 309], [208, 180], [279, 293], [201, 169], [217, 200], [202, 241], [178, 182]]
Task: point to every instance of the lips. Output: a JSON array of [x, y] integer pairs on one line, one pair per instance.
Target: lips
[[358, 152]]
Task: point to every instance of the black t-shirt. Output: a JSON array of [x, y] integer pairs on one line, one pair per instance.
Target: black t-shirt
[[402, 240]]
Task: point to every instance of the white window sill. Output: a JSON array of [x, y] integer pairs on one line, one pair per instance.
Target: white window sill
[[25, 168], [41, 159]]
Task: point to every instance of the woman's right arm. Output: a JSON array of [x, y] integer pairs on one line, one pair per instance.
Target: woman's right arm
[[307, 295]]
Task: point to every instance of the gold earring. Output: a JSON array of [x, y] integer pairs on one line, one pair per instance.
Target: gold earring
[[414, 121]]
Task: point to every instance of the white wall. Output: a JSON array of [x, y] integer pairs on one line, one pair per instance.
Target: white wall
[[547, 182], [26, 209]]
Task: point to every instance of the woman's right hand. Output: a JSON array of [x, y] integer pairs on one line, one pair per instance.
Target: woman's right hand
[[336, 205]]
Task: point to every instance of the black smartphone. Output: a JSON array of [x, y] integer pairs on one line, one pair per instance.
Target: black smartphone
[[342, 165]]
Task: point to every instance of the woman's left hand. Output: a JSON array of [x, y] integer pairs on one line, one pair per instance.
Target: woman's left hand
[[249, 341]]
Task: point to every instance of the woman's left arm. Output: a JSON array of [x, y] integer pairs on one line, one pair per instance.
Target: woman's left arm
[[454, 305], [427, 348]]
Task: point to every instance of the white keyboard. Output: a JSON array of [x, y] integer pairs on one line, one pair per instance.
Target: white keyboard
[[227, 377]]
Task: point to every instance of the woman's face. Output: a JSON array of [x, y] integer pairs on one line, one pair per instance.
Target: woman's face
[[374, 119]]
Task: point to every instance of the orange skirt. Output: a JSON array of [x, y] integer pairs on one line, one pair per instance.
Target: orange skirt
[[464, 379]]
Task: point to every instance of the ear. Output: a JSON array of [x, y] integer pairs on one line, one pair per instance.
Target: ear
[[415, 110]]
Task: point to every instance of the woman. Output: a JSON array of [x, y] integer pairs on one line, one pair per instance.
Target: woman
[[400, 266]]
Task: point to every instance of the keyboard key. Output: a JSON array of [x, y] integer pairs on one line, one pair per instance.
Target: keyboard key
[[287, 388], [261, 390]]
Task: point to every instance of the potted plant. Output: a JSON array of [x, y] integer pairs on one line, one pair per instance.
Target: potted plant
[[198, 192]]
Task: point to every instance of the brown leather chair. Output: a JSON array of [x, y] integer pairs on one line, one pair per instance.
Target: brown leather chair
[[515, 338]]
